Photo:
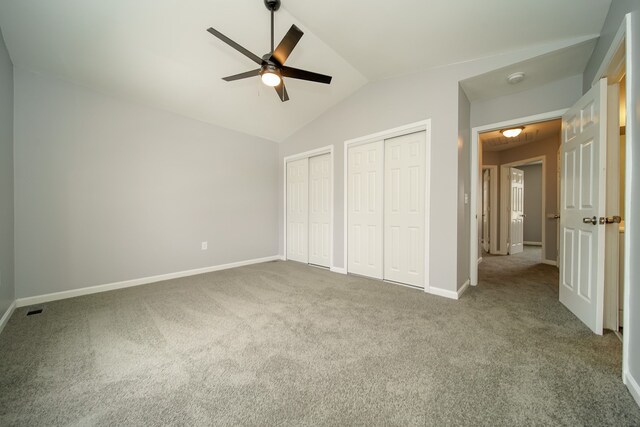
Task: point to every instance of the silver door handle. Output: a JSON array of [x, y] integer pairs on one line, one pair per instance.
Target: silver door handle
[[592, 220], [613, 220], [556, 216]]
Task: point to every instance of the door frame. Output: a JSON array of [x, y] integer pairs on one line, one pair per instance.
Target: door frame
[[424, 125], [505, 203], [475, 176], [299, 156], [620, 54], [493, 209]]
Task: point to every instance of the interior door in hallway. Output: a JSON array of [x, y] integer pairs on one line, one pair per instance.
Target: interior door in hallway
[[516, 230], [486, 198], [404, 213], [582, 207], [319, 213], [297, 210], [364, 209]]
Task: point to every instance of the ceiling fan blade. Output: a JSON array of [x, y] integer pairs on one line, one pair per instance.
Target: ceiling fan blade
[[289, 41], [255, 58], [244, 75], [297, 73], [282, 91]]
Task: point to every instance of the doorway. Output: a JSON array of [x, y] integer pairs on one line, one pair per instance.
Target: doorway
[[308, 207]]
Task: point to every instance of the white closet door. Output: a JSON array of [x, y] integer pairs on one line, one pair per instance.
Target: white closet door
[[364, 209], [298, 210], [319, 214], [404, 203]]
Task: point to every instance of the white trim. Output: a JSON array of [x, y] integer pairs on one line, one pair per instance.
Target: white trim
[[615, 45], [424, 125], [631, 136], [338, 270], [328, 149], [7, 315], [39, 299], [475, 166], [527, 243], [479, 261], [550, 262], [633, 387], [463, 288], [443, 292]]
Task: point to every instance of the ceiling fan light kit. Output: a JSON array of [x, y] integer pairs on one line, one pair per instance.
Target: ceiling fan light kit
[[272, 68]]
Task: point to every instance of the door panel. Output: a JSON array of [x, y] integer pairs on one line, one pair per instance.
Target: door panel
[[297, 210], [486, 198], [364, 209], [319, 214], [583, 152], [516, 232], [404, 213]]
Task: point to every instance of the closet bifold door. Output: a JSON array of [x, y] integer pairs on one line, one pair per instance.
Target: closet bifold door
[[404, 209], [298, 210], [364, 209], [319, 214]]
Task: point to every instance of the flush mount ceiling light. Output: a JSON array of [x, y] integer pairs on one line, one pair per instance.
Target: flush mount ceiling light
[[513, 132], [515, 77]]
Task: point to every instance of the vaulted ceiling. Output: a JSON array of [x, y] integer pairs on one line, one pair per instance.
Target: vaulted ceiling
[[157, 52]]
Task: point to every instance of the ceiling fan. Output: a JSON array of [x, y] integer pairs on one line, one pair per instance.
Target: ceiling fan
[[272, 68]]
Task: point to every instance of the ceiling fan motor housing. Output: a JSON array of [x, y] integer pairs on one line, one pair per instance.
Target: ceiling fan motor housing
[[272, 4]]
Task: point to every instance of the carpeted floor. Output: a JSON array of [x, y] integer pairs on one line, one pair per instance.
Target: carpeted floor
[[285, 344]]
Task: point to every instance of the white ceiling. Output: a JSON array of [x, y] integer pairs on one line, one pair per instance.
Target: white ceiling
[[159, 53], [538, 71], [495, 141]]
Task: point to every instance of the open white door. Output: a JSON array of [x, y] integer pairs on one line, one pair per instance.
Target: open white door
[[298, 210], [516, 230], [486, 197], [584, 130]]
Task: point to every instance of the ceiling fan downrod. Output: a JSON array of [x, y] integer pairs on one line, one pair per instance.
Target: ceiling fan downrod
[[272, 6]]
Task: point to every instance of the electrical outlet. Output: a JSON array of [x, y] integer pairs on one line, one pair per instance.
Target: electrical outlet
[[205, 246], [466, 198]]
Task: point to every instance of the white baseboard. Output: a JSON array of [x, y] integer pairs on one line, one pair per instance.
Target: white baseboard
[[633, 387], [39, 299], [339, 270], [442, 292], [282, 257], [463, 288], [550, 262], [532, 243], [7, 315]]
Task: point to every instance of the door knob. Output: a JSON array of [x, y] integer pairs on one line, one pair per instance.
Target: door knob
[[613, 220], [592, 220]]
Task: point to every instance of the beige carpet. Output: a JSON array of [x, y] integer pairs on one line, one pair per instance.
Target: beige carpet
[[285, 344]]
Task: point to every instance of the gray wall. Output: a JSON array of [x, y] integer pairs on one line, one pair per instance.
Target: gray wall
[[464, 185], [617, 11], [7, 293], [532, 203], [550, 97], [393, 102], [109, 191]]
